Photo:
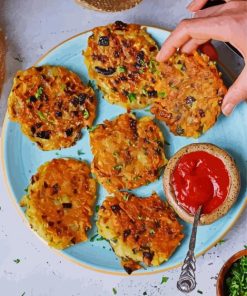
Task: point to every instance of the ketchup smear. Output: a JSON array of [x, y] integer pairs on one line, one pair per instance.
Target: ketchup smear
[[200, 179]]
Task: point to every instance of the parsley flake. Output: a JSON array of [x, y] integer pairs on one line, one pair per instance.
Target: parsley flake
[[131, 97], [39, 92], [92, 239], [121, 69], [118, 167], [220, 242], [80, 152], [86, 114], [90, 84], [164, 280]]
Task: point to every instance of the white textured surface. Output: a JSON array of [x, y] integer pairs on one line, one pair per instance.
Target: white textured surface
[[32, 28]]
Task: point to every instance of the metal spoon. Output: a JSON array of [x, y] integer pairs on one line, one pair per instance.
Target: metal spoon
[[187, 279]]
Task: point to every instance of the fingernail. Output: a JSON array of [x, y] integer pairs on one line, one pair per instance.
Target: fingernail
[[227, 109]]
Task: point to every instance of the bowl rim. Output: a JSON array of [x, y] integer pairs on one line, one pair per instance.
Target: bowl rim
[[234, 178], [225, 268]]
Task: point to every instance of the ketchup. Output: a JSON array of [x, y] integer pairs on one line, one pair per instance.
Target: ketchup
[[200, 179]]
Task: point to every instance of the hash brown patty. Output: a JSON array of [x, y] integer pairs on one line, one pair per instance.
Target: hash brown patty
[[128, 152], [52, 105], [59, 202], [194, 94], [140, 230], [121, 59]]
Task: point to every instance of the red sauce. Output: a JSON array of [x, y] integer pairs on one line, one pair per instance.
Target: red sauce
[[200, 179]]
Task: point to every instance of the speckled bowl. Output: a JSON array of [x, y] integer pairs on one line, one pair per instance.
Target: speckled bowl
[[109, 5], [234, 186], [224, 270]]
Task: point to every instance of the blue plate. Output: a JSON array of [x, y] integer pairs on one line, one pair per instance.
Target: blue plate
[[21, 159]]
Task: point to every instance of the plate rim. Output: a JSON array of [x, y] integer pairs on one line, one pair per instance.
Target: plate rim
[[68, 256]]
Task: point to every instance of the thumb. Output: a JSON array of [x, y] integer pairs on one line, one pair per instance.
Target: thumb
[[236, 93]]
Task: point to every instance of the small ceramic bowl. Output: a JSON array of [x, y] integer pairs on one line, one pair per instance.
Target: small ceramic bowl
[[224, 270]]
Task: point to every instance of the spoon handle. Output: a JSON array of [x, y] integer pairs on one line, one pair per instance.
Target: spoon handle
[[187, 279]]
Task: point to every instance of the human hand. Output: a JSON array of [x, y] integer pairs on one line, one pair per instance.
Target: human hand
[[227, 23]]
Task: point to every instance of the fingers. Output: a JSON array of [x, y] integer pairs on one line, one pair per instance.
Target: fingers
[[199, 29], [196, 5], [192, 45], [236, 93], [210, 11]]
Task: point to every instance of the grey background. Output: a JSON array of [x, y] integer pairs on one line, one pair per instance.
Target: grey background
[[32, 28]]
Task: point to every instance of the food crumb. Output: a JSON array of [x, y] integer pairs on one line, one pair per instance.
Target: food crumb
[[164, 280]]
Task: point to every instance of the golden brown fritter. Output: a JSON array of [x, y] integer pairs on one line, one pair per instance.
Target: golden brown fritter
[[195, 93], [52, 106], [128, 152], [59, 202], [140, 230], [121, 59]]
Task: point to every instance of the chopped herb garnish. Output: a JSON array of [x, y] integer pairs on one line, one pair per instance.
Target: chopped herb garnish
[[92, 239], [100, 238], [132, 97], [245, 246], [152, 66], [80, 152], [17, 261], [222, 241], [91, 129], [97, 208], [26, 190], [236, 281], [162, 94], [160, 170], [42, 115], [63, 87], [121, 69], [144, 92], [118, 167], [39, 92], [126, 197], [86, 114], [164, 280], [181, 67], [114, 291], [152, 231], [199, 291], [90, 84]]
